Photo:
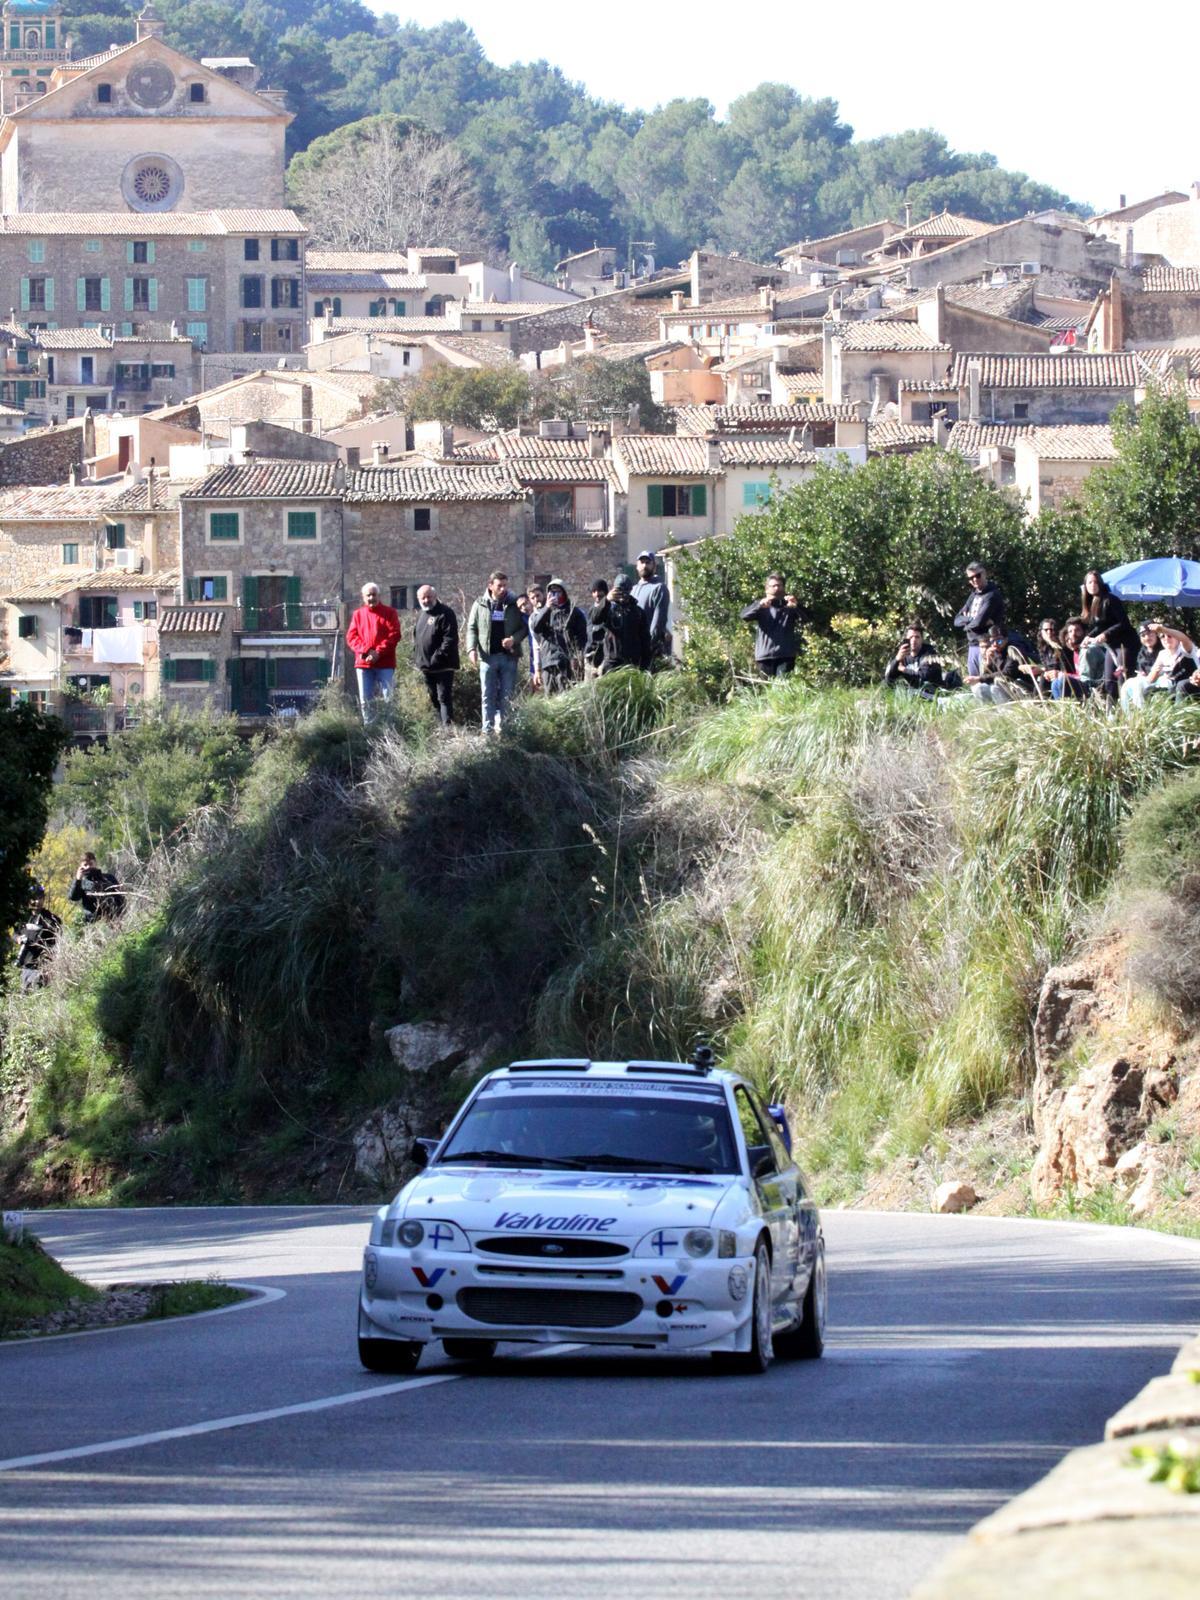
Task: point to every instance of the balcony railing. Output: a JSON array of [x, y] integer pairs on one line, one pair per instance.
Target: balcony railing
[[84, 719], [569, 522]]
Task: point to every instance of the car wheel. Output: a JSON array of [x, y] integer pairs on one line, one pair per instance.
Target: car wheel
[[469, 1349], [389, 1355], [806, 1340], [758, 1357]]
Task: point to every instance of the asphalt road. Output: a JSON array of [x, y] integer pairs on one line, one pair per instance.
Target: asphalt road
[[204, 1457]]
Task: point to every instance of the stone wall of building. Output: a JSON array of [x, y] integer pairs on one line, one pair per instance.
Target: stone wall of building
[[577, 561], [624, 314], [1060, 249], [263, 549], [719, 277], [44, 457], [469, 540], [1151, 319]]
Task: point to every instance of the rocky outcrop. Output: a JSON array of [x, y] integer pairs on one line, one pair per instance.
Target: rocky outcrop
[[1089, 1126]]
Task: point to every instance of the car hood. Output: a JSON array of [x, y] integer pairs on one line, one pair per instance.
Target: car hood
[[482, 1199]]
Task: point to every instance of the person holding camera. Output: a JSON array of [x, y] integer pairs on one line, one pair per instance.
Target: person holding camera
[[777, 617], [916, 664], [37, 938], [96, 891]]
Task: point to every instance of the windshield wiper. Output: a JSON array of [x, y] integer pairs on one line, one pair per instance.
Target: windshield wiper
[[505, 1156], [636, 1164]]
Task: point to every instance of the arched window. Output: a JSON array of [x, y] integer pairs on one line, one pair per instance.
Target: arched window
[[33, 38]]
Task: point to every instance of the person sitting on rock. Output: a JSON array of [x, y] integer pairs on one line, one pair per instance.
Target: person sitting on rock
[[916, 664]]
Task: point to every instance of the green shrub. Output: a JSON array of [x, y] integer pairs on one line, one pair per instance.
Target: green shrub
[[1160, 843]]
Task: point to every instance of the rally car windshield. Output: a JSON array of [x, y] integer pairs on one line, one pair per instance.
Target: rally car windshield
[[595, 1132]]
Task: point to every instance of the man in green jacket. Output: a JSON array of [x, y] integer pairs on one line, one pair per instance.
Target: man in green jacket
[[495, 632]]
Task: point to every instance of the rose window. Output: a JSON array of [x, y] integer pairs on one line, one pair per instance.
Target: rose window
[[152, 185]]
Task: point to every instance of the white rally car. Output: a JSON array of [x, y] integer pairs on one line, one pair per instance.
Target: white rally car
[[651, 1204]]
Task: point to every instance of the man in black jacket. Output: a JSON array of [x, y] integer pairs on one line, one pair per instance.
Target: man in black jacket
[[623, 625], [96, 891], [435, 651], [915, 664], [983, 611], [776, 617]]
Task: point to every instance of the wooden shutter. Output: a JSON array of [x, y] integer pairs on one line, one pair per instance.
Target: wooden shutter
[[49, 294], [153, 301], [168, 669], [270, 675], [105, 295], [291, 602], [150, 252], [220, 589], [322, 672], [235, 683], [700, 500], [24, 294], [654, 499], [129, 294], [249, 602], [81, 294], [208, 671], [192, 589]]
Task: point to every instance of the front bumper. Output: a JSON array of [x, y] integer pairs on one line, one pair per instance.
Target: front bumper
[[681, 1304]]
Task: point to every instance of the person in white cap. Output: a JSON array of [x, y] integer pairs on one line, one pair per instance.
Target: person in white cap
[[653, 597]]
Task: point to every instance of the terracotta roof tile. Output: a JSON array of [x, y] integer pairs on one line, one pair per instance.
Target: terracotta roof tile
[[943, 225], [671, 455], [880, 334], [268, 480], [432, 482], [84, 502], [766, 453], [1074, 442], [1171, 280], [150, 225], [192, 619], [393, 325], [1079, 370], [968, 438], [166, 495], [358, 261], [897, 438], [73, 339], [109, 580], [696, 420]]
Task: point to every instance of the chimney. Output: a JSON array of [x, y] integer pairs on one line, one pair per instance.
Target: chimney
[[306, 403], [353, 457], [941, 430], [712, 452], [150, 487], [835, 305], [908, 216], [379, 452], [329, 316], [73, 475], [806, 436], [598, 442], [974, 383], [633, 417], [149, 24], [1127, 261], [1120, 202], [766, 298], [589, 339], [1196, 191], [564, 353], [676, 299], [827, 384], [339, 477], [516, 282]]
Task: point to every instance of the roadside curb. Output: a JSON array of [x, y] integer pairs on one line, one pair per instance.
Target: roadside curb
[[1093, 1527], [257, 1294]]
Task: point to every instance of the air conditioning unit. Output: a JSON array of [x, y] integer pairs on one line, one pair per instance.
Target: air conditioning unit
[[127, 560], [322, 617], [554, 428], [1030, 269]]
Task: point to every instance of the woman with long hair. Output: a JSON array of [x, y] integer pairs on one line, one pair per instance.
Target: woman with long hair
[[1108, 624]]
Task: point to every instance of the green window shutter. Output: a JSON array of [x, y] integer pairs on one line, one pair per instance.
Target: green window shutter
[[224, 525], [81, 294], [129, 252], [322, 672], [139, 611], [220, 588], [654, 500], [302, 524], [209, 672], [105, 295], [700, 500], [129, 294], [249, 602], [150, 252], [49, 294], [235, 684], [153, 284], [270, 676], [291, 601], [168, 670], [24, 294], [192, 589]]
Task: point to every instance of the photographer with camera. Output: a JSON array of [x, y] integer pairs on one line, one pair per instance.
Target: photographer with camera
[[96, 891], [916, 664], [36, 939]]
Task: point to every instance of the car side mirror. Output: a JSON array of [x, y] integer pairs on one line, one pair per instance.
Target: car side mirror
[[778, 1115], [762, 1162], [421, 1152]]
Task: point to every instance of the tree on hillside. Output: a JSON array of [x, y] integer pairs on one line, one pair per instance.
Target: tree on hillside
[[476, 397], [595, 389], [381, 184], [30, 745], [1147, 501], [886, 542]]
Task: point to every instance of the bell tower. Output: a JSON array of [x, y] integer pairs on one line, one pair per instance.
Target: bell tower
[[32, 44]]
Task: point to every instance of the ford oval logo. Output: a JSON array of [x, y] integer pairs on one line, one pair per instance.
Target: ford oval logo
[[552, 1249]]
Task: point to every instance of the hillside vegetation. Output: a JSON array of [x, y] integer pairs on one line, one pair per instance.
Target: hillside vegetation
[[855, 895], [556, 169]]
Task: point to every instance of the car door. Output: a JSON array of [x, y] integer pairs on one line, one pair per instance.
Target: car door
[[774, 1184]]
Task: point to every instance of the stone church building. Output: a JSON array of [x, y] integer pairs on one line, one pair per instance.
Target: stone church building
[[139, 184]]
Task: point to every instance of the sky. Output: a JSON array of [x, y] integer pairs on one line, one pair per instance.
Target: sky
[[1086, 99]]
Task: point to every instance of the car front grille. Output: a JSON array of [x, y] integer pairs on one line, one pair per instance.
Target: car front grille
[[553, 1308], [553, 1249]]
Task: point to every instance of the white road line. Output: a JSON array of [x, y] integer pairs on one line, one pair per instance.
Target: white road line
[[259, 1295], [219, 1424]]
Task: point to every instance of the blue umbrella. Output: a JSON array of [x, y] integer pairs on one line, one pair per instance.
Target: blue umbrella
[[1165, 578]]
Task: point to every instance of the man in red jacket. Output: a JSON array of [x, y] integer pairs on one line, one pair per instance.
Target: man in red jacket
[[373, 635]]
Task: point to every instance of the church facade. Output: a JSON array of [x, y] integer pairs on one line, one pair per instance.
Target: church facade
[[139, 185]]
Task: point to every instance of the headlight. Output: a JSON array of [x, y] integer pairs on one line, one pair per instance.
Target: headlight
[[410, 1234], [726, 1243], [698, 1242]]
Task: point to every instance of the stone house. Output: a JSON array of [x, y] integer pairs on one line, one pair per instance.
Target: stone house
[[589, 272], [22, 378], [49, 455], [46, 528], [1052, 241], [71, 633], [1051, 464], [867, 361], [90, 369], [308, 402], [846, 249], [919, 238], [821, 425], [1078, 387], [1158, 306]]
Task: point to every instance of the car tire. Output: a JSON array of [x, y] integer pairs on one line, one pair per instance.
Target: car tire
[[758, 1358], [389, 1355], [806, 1341], [469, 1349]]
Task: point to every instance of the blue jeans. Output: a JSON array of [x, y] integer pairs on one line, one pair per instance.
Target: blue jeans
[[374, 683], [498, 679]]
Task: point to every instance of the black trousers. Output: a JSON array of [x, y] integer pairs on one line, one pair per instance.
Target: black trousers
[[779, 668], [441, 694]]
